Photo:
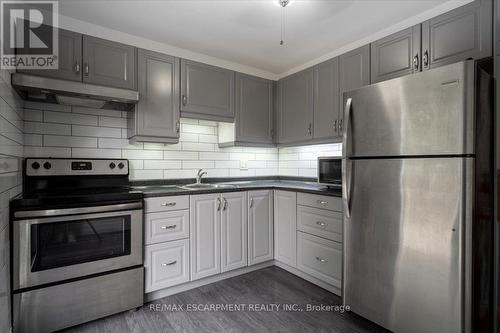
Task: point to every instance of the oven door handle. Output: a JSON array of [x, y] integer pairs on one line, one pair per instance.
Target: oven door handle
[[78, 210]]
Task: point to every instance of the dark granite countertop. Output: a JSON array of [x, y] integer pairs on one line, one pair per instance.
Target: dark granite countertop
[[169, 188]]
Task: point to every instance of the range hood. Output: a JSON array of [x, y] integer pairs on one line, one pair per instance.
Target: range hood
[[48, 90]]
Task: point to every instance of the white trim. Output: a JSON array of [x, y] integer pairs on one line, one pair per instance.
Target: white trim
[[204, 281], [424, 16], [337, 291]]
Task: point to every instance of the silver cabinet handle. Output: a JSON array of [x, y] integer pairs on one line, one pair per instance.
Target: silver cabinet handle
[[178, 126], [86, 69], [322, 202], [169, 204], [321, 260], [184, 100], [173, 226], [225, 204], [425, 58], [320, 223], [218, 204], [340, 125], [169, 263], [335, 125], [309, 129], [416, 62], [251, 202], [77, 67]]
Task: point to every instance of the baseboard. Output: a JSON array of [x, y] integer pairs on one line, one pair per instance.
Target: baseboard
[[219, 277], [201, 282], [307, 277]]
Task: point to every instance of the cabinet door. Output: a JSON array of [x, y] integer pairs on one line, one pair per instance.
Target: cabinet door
[[254, 109], [285, 227], [326, 99], [463, 33], [204, 237], [108, 63], [234, 231], [70, 57], [207, 92], [296, 107], [354, 72], [157, 113], [396, 55], [260, 226]]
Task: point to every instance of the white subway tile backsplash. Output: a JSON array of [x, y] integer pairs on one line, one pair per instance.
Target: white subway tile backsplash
[[198, 164], [214, 156], [30, 151], [33, 115], [134, 154], [97, 112], [162, 164], [227, 164], [146, 174], [193, 146], [197, 129], [69, 141], [95, 153], [99, 132], [112, 122], [69, 118], [118, 143], [46, 128], [180, 155], [207, 138]]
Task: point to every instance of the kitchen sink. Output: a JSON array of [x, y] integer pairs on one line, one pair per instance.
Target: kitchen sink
[[205, 186]]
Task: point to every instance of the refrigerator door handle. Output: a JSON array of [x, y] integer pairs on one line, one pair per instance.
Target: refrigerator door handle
[[346, 165]]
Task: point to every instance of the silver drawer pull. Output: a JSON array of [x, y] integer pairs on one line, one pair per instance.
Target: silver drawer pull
[[169, 204], [320, 223], [321, 260], [173, 226], [322, 202], [169, 263]]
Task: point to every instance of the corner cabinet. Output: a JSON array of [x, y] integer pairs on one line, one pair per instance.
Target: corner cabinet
[[156, 116], [396, 55], [285, 227], [253, 122], [295, 110], [260, 226], [207, 92], [109, 63], [463, 33], [326, 100]]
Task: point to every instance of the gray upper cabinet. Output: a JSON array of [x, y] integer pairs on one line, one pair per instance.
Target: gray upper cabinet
[[296, 107], [354, 72], [156, 116], [463, 33], [207, 92], [109, 63], [326, 100], [396, 55], [70, 57], [254, 109]]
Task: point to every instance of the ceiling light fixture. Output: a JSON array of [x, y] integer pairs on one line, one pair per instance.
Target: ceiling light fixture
[[283, 4]]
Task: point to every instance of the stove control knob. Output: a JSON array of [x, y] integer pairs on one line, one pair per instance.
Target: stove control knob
[[121, 165], [47, 165], [112, 165], [35, 165]]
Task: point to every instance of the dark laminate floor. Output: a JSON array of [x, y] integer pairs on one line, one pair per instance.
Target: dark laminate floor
[[267, 286]]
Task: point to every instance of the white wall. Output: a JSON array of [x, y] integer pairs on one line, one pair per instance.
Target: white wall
[[11, 153], [63, 131]]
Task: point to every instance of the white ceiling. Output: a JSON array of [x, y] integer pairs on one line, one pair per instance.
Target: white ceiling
[[247, 32]]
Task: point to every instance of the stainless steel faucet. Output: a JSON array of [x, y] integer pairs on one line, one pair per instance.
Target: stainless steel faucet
[[199, 175]]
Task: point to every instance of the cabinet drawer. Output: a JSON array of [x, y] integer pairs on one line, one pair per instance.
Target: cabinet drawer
[[166, 226], [320, 222], [166, 264], [163, 204], [320, 201], [320, 258]]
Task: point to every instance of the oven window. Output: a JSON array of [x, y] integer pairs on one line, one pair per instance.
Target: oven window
[[61, 244]]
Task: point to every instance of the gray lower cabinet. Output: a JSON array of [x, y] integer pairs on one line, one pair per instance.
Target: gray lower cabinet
[[156, 116], [296, 107], [260, 226], [396, 55], [354, 72], [463, 33], [109, 63], [326, 100], [234, 231], [69, 58], [207, 92], [285, 227], [254, 109]]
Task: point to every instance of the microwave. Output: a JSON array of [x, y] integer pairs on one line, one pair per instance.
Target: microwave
[[330, 171]]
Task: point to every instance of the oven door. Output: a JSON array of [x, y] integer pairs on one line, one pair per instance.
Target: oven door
[[51, 249]]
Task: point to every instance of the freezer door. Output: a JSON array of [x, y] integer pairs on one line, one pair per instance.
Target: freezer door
[[406, 234], [429, 113]]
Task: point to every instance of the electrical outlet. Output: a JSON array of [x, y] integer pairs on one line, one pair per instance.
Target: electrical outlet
[[243, 165]]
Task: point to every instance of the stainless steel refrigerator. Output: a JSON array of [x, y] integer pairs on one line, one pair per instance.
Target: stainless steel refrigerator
[[417, 195]]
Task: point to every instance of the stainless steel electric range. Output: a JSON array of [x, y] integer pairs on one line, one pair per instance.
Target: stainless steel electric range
[[76, 243]]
